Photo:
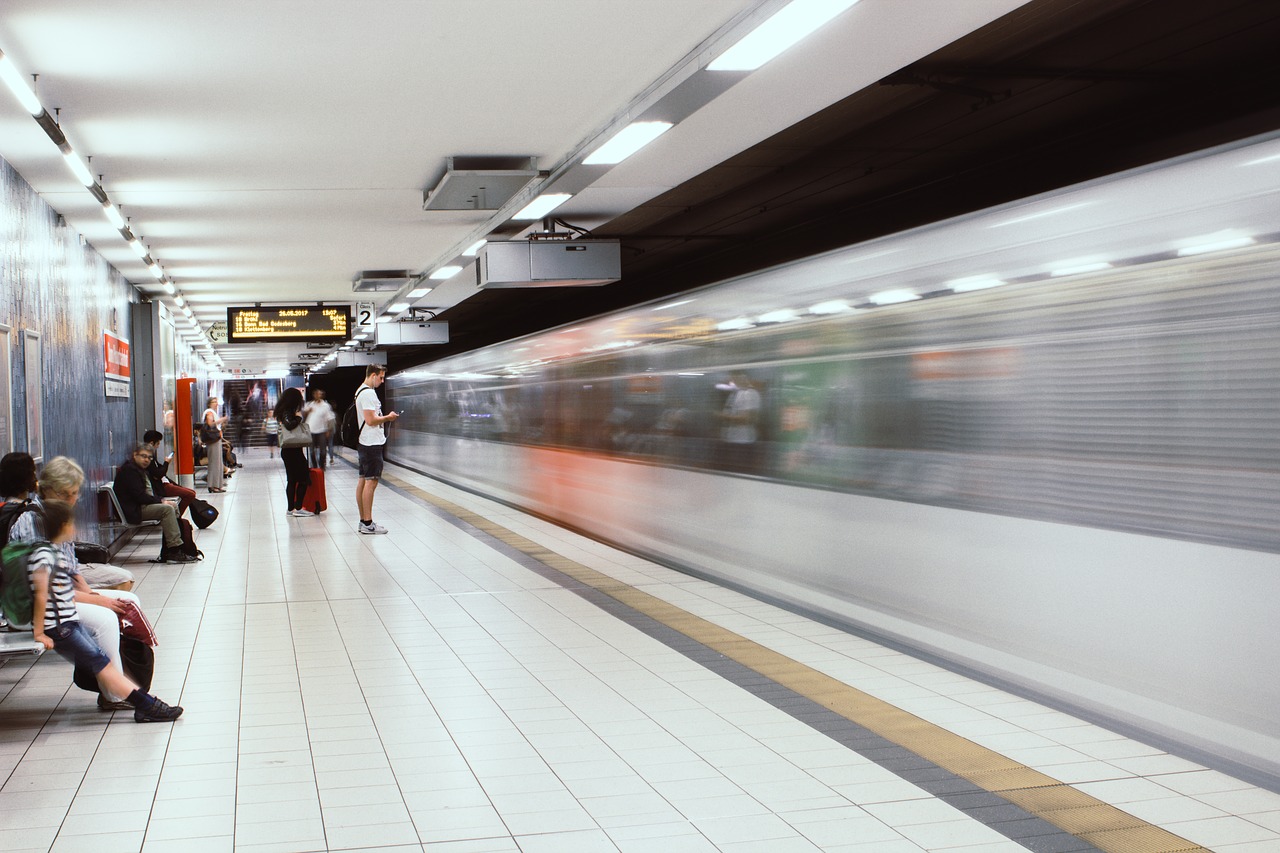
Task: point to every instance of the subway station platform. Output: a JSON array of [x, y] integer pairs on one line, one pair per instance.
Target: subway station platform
[[481, 681]]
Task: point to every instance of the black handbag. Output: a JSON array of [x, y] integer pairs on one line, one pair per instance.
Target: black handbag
[[209, 434], [92, 552], [202, 513]]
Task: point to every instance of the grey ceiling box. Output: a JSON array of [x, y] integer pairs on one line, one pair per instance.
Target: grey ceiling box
[[549, 263], [411, 332]]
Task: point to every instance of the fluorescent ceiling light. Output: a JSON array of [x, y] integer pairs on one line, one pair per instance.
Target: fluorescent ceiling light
[[78, 168], [626, 142], [1222, 242], [397, 307], [385, 318], [671, 305], [735, 324], [113, 215], [891, 297], [788, 26], [138, 249], [13, 78], [834, 306], [156, 271], [445, 273], [974, 282], [471, 250], [179, 301], [1080, 269], [419, 291], [362, 336], [542, 205]]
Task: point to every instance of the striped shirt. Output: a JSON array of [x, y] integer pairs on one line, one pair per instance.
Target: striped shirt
[[60, 603], [29, 527]]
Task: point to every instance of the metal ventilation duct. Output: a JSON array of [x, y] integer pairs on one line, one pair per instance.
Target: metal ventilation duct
[[480, 183]]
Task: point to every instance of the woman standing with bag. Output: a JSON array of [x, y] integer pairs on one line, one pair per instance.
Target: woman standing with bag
[[211, 436], [294, 436]]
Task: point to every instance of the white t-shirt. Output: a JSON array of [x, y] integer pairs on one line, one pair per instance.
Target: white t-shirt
[[319, 416], [366, 401]]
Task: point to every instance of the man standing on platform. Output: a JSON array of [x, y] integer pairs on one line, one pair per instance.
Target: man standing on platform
[[372, 439]]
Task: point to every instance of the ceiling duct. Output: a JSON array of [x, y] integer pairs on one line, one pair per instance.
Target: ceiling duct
[[378, 281], [480, 183]]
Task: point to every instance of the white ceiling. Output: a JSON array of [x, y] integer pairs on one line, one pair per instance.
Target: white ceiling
[[270, 150]]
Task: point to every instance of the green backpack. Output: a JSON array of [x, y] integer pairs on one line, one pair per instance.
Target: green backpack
[[16, 599]]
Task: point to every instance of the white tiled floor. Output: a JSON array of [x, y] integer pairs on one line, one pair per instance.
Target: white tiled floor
[[421, 691]]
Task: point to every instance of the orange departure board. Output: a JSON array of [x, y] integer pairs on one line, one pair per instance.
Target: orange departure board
[[288, 323]]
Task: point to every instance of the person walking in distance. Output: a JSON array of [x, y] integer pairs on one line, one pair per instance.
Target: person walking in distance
[[320, 418], [372, 439]]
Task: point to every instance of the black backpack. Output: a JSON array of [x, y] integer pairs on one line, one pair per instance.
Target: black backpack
[[9, 514], [352, 424]]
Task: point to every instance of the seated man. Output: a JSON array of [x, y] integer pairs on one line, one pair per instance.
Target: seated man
[[158, 470], [140, 502]]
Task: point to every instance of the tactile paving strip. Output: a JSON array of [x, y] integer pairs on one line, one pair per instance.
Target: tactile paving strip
[[1027, 806]]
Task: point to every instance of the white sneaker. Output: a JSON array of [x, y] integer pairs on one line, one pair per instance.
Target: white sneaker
[[301, 513], [371, 528]]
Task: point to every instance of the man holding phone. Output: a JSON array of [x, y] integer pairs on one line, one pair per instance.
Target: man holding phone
[[372, 440]]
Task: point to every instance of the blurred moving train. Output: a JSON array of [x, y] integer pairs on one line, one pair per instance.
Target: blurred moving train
[[1039, 442]]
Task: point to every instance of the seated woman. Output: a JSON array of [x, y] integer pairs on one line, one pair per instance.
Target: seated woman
[[157, 471], [140, 502], [18, 484]]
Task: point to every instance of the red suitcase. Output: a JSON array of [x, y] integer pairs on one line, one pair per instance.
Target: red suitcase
[[314, 499]]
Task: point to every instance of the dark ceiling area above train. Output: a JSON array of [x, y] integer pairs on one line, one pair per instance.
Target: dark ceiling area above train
[[1054, 93]]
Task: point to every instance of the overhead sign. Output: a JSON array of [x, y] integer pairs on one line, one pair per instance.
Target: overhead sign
[[365, 316], [288, 323], [218, 332], [116, 357]]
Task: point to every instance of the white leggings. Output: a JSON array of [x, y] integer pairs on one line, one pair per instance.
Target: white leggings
[[103, 624]]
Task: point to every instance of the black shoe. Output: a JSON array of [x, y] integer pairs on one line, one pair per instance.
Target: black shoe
[[176, 555], [105, 704], [159, 712]]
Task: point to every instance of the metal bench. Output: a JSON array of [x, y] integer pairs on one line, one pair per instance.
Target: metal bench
[[18, 644], [118, 511]]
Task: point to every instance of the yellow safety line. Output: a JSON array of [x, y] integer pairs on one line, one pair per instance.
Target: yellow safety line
[[1101, 824]]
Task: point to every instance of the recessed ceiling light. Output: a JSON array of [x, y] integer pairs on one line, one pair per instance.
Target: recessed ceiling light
[[834, 306], [788, 26], [445, 273], [397, 307], [626, 142], [542, 205], [474, 248], [419, 291]]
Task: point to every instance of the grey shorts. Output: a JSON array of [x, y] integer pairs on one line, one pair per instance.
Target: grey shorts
[[370, 461]]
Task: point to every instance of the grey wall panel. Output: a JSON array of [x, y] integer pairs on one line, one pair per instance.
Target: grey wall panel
[[53, 283]]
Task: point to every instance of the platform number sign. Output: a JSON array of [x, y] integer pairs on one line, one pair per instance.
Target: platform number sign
[[365, 316]]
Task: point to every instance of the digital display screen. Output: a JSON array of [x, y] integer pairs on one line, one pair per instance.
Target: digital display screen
[[288, 323]]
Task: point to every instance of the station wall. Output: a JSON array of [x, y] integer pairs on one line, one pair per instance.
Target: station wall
[[56, 285]]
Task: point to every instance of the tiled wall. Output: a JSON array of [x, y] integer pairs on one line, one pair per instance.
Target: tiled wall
[[52, 283]]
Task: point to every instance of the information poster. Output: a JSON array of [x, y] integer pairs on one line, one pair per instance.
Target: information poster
[[116, 358]]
